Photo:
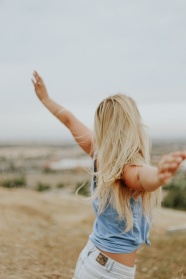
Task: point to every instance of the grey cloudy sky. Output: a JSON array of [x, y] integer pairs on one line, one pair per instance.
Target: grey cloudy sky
[[86, 50]]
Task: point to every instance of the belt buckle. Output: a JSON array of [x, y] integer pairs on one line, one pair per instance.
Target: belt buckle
[[101, 259]]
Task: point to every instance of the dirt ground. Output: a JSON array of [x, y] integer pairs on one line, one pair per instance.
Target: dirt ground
[[41, 235]]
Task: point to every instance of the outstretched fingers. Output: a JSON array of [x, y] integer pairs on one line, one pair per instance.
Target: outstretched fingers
[[37, 79], [39, 86], [169, 164], [178, 154], [37, 76], [33, 81]]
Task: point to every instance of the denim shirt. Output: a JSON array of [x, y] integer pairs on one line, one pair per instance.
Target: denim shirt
[[108, 230]]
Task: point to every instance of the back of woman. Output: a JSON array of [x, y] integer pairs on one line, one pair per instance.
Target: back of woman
[[125, 188]]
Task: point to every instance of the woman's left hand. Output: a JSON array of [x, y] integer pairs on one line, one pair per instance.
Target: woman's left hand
[[168, 165]]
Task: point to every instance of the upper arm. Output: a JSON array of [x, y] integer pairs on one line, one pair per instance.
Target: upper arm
[[82, 134], [131, 177]]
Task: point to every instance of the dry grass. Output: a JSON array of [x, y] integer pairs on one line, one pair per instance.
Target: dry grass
[[41, 235], [164, 260]]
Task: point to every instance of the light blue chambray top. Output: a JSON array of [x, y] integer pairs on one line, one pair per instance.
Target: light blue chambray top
[[108, 230]]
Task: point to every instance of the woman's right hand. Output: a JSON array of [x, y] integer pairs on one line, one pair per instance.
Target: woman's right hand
[[39, 87]]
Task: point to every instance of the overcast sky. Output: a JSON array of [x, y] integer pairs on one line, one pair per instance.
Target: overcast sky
[[86, 50]]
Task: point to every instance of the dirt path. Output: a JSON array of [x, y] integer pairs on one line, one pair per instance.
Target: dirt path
[[41, 234]]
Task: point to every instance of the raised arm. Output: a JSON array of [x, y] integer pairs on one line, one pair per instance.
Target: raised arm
[[80, 132], [147, 178]]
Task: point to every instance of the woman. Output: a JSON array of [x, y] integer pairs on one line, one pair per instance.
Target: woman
[[125, 187]]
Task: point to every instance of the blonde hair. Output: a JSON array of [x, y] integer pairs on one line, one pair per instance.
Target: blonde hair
[[120, 139]]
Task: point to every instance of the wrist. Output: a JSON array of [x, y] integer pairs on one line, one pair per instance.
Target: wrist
[[46, 100], [53, 107], [157, 179]]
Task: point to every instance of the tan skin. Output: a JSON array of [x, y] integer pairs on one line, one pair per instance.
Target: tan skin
[[144, 178]]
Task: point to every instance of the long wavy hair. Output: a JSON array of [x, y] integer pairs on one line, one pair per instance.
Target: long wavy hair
[[120, 139]]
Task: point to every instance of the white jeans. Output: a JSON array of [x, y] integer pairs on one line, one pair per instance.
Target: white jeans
[[92, 264]]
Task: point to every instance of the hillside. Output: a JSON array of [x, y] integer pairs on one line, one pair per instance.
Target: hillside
[[41, 235]]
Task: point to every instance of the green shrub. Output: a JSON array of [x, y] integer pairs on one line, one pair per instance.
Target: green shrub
[[60, 185], [84, 188], [42, 187], [175, 184], [176, 197], [14, 182]]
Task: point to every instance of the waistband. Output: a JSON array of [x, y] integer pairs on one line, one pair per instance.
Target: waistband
[[105, 261]]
